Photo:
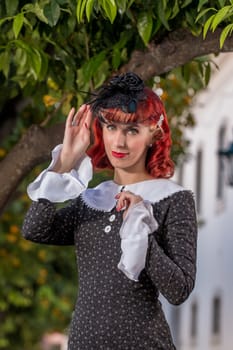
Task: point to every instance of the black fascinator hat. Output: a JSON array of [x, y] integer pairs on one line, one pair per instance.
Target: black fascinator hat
[[122, 92]]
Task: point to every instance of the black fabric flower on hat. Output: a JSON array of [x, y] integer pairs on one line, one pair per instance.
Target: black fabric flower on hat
[[128, 82], [123, 92]]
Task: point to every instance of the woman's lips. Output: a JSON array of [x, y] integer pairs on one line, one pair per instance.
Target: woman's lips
[[119, 154]]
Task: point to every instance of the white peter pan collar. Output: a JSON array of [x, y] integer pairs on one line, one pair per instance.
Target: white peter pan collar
[[102, 197]]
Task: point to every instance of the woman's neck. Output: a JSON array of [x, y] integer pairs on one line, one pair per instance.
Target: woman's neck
[[127, 178]]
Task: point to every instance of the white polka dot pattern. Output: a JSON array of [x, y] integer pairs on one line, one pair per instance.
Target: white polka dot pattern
[[113, 312]]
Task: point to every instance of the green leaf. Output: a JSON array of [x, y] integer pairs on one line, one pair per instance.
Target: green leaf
[[69, 79], [110, 9], [202, 13], [5, 63], [81, 4], [3, 20], [222, 2], [186, 3], [162, 14], [201, 3], [46, 292], [92, 66], [11, 6], [18, 23], [101, 74], [27, 23], [116, 58], [40, 13], [130, 3], [21, 59], [44, 66], [37, 10], [207, 25], [89, 8], [176, 9], [121, 5], [17, 299], [144, 25], [3, 305], [190, 19], [52, 13], [4, 343], [36, 62], [225, 32], [219, 17], [23, 45], [33, 56], [124, 38]]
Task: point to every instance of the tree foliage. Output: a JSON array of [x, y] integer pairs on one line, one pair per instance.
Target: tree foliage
[[37, 285], [53, 53]]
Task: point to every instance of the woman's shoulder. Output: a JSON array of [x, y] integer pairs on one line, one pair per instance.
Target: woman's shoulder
[[101, 197], [156, 190]]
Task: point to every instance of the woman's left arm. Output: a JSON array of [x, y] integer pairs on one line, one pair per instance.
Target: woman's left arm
[[172, 264]]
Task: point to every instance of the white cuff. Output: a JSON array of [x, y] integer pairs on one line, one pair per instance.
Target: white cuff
[[137, 225], [61, 187]]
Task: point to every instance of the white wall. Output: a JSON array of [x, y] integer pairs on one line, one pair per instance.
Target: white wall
[[213, 108]]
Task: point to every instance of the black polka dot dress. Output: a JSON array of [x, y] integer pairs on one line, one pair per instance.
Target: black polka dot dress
[[112, 311]]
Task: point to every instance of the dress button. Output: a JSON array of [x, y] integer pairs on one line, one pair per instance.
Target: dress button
[[112, 218], [107, 229]]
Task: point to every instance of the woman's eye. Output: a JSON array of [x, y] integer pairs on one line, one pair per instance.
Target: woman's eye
[[110, 127], [133, 131]]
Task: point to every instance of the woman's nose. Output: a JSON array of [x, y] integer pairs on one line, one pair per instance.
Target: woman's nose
[[119, 139]]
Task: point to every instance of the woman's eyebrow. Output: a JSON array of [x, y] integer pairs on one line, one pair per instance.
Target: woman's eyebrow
[[132, 125]]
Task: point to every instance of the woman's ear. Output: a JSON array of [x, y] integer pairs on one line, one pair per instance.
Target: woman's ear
[[157, 133]]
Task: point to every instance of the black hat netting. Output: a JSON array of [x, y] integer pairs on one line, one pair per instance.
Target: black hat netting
[[122, 92]]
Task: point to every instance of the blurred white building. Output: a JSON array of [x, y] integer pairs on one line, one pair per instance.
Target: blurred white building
[[205, 320]]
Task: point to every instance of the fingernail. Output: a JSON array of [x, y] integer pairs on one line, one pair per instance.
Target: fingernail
[[123, 208], [118, 208], [117, 196]]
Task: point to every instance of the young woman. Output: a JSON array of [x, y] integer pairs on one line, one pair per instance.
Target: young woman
[[135, 235]]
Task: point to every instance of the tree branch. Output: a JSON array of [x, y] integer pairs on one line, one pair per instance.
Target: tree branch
[[33, 148], [176, 49]]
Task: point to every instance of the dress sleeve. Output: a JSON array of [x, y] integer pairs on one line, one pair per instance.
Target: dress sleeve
[[43, 223], [171, 264], [61, 187], [137, 225]]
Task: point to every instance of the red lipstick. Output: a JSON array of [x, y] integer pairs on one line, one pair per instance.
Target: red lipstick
[[119, 154]]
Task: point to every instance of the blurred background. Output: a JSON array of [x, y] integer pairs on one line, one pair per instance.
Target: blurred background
[[204, 321], [53, 55]]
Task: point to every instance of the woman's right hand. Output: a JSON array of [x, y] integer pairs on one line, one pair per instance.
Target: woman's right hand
[[76, 139]]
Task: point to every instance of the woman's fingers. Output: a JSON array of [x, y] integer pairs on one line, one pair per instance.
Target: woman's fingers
[[78, 116], [126, 199], [69, 118], [88, 118], [82, 118]]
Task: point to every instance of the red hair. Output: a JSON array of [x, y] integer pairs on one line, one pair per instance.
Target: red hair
[[149, 112]]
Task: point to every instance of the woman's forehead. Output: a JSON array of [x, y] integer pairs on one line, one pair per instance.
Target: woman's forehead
[[122, 124]]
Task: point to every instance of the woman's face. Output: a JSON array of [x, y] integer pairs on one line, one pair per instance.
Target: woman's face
[[126, 145]]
